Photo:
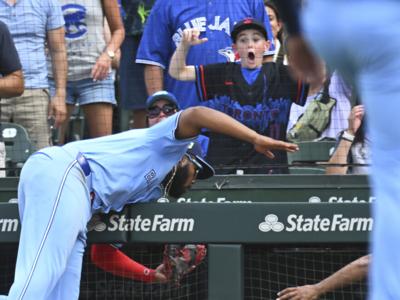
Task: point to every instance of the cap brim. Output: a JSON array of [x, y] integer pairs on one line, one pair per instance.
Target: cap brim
[[207, 171], [156, 98], [255, 26]]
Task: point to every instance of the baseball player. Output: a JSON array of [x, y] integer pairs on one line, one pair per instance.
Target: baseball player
[[178, 260], [256, 94], [346, 36], [61, 187]]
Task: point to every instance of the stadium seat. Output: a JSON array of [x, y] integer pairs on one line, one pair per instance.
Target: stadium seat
[[310, 157], [17, 145]]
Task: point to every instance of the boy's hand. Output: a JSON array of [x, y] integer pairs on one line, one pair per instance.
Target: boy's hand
[[190, 37]]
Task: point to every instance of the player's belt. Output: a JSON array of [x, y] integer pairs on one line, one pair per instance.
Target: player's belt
[[84, 164]]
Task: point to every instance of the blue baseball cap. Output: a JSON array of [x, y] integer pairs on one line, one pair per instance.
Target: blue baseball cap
[[161, 95]]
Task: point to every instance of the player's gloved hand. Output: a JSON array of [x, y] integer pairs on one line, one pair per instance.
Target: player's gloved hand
[[179, 261]]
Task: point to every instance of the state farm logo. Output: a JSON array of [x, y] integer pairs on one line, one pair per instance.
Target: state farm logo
[[96, 224], [340, 199], [9, 225], [271, 223], [140, 224], [163, 200], [314, 199], [300, 223]]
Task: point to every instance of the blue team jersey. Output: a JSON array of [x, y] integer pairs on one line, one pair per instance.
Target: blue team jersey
[[215, 20], [129, 167]]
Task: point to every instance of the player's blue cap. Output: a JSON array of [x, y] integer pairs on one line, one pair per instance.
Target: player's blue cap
[[162, 95], [248, 23], [205, 169]]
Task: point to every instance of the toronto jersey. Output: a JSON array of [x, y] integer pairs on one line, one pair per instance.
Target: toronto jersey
[[263, 106], [215, 20]]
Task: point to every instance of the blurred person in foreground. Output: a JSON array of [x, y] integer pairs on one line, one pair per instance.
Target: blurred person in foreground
[[366, 55]]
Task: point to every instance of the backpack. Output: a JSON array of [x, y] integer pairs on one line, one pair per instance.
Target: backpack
[[315, 119]]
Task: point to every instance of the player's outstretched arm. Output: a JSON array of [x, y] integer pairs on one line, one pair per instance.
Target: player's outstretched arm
[[178, 68], [193, 119], [354, 271]]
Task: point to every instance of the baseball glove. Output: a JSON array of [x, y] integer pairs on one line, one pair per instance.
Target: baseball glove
[[179, 261]]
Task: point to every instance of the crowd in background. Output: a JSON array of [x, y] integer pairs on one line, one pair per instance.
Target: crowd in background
[[103, 58], [107, 58]]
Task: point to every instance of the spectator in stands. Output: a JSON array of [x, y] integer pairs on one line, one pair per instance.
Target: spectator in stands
[[277, 32], [32, 25], [109, 257], [90, 82], [163, 33], [338, 90], [350, 273], [132, 87], [352, 148], [256, 94], [11, 80]]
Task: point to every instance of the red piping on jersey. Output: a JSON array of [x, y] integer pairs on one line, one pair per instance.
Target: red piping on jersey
[[203, 85]]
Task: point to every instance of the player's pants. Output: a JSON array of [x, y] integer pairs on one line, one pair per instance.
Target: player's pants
[[54, 207], [362, 38]]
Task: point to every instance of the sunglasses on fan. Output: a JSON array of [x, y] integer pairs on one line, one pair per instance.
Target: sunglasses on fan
[[167, 109]]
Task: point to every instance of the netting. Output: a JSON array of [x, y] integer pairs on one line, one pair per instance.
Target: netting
[[97, 284], [270, 270], [267, 271]]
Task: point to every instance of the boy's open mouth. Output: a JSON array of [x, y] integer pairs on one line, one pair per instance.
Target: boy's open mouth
[[251, 56]]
